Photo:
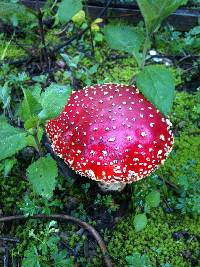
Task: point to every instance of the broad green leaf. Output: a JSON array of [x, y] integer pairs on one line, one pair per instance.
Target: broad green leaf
[[42, 175], [195, 30], [8, 164], [155, 11], [67, 9], [140, 222], [79, 18], [11, 139], [72, 62], [53, 100], [153, 199], [36, 92], [138, 260], [31, 123], [29, 108], [157, 85], [40, 79], [124, 38]]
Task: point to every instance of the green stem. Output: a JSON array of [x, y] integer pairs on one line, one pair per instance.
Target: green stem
[[37, 142], [145, 49]]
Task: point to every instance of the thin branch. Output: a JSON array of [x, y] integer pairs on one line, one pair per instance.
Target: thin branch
[[62, 217], [44, 53], [16, 62], [76, 36], [170, 184]]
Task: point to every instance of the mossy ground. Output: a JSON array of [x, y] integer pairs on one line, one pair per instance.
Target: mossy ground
[[158, 239]]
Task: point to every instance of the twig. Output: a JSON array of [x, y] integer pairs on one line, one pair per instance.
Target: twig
[[57, 47], [92, 43], [170, 184], [15, 62], [44, 53], [78, 35], [62, 217]]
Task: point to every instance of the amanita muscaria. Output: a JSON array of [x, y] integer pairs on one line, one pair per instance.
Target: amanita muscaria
[[111, 133]]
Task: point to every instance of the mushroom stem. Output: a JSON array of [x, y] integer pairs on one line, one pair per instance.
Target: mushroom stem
[[111, 186]]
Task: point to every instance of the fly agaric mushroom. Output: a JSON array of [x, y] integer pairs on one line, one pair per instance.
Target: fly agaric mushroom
[[111, 133]]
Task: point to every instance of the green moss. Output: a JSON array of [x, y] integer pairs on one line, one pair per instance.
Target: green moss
[[124, 70], [186, 150], [11, 52], [13, 12], [186, 112], [156, 240], [51, 37], [11, 191], [177, 72], [119, 74]]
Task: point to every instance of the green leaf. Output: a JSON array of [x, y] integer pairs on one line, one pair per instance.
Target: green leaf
[[31, 257], [195, 30], [72, 62], [183, 181], [8, 164], [140, 222], [36, 92], [29, 109], [124, 38], [53, 100], [31, 140], [67, 9], [155, 11], [157, 85], [11, 139], [61, 259], [153, 199], [138, 260], [40, 79], [5, 91], [31, 123], [42, 175]]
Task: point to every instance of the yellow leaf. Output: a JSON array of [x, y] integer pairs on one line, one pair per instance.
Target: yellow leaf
[[97, 21], [95, 27], [79, 18]]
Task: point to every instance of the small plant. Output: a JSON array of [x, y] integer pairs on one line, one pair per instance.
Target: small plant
[[152, 200], [43, 249], [66, 51], [138, 260], [155, 82], [107, 202], [34, 111]]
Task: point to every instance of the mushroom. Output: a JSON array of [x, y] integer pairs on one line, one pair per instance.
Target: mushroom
[[112, 134]]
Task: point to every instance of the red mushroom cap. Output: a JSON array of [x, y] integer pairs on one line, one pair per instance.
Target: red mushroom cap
[[111, 133]]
